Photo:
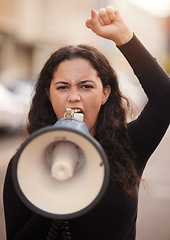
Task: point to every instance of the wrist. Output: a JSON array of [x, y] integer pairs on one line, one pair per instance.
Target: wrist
[[123, 38]]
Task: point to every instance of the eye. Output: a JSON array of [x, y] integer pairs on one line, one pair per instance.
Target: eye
[[87, 86], [62, 87]]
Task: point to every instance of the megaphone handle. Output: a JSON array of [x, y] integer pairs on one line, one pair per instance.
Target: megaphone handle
[[65, 230], [54, 230], [59, 228]]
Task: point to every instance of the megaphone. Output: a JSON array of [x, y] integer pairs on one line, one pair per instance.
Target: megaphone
[[61, 171]]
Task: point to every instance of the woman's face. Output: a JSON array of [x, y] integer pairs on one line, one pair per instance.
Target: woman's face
[[76, 85]]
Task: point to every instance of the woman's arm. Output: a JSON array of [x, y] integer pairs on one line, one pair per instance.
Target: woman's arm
[[149, 128]]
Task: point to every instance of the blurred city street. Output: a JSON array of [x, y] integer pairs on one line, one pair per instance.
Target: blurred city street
[[154, 207]]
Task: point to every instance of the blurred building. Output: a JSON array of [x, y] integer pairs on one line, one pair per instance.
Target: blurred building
[[31, 30]]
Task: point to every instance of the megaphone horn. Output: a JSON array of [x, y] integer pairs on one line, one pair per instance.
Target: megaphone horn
[[60, 171]]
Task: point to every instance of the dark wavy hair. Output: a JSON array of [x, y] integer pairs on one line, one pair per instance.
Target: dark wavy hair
[[111, 126]]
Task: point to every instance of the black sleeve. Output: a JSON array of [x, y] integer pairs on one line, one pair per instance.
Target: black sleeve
[[148, 129], [21, 223]]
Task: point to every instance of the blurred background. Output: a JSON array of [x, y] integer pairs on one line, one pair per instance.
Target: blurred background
[[31, 30]]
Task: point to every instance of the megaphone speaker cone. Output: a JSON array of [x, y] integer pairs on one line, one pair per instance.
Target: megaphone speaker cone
[[67, 194]]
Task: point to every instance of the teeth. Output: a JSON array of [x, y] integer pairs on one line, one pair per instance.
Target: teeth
[[77, 111]]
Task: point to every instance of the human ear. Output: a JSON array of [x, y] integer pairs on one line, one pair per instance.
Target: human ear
[[106, 94]]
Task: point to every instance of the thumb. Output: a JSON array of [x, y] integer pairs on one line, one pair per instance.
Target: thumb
[[93, 22]]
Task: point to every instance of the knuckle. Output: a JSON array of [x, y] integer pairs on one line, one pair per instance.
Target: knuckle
[[109, 11], [110, 8], [102, 12]]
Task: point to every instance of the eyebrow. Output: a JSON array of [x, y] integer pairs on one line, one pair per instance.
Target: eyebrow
[[79, 83], [61, 82]]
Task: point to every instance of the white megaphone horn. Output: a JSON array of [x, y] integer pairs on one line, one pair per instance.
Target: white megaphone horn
[[60, 171]]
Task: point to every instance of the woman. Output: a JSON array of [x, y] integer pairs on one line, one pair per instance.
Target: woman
[[81, 78]]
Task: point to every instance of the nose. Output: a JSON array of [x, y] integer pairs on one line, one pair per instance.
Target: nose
[[74, 96]]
